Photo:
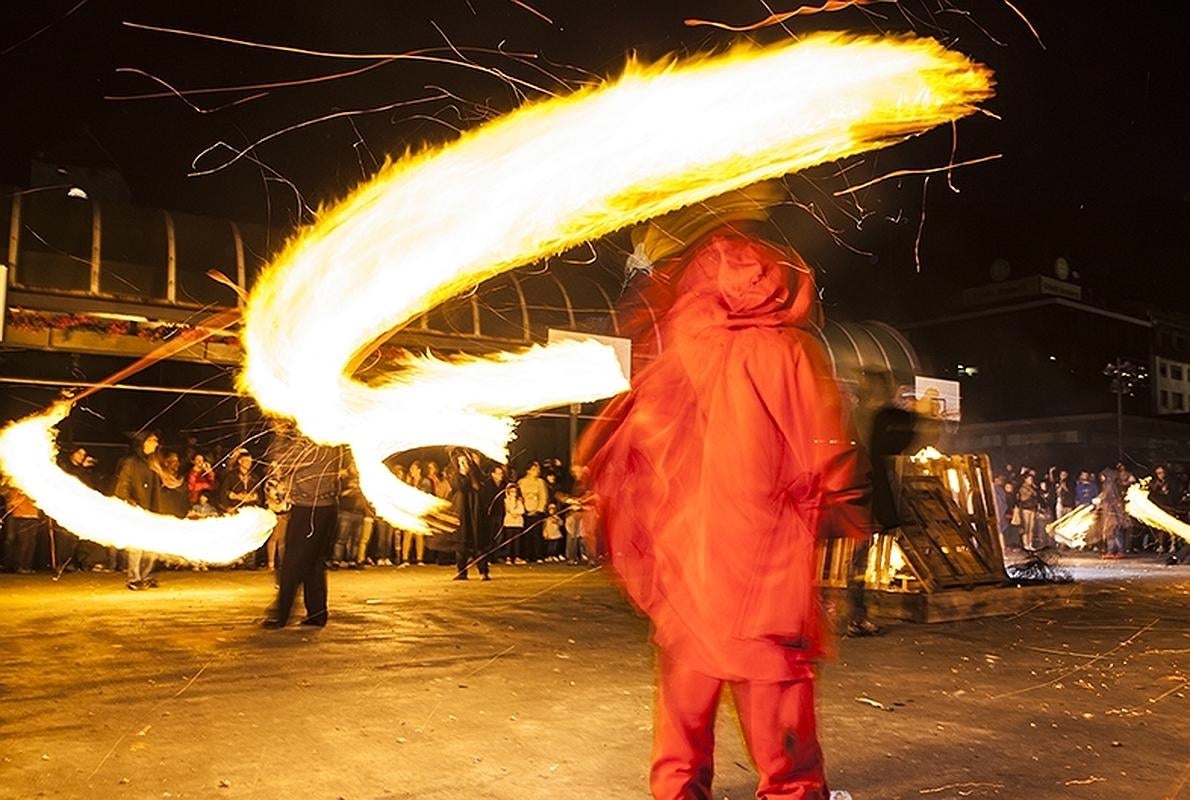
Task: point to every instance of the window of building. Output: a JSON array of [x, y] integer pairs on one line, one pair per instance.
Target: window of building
[[202, 245], [1162, 369], [1175, 372], [1164, 399], [1178, 401], [55, 242], [134, 253]]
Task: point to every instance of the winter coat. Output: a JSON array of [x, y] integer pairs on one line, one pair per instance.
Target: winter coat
[[721, 468]]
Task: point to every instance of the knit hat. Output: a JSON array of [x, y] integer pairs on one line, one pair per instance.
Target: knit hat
[[671, 233]]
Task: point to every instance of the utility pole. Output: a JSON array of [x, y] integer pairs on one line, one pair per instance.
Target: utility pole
[[1125, 378]]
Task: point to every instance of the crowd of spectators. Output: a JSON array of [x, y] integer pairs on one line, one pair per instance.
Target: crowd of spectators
[[537, 511], [540, 513], [1027, 502]]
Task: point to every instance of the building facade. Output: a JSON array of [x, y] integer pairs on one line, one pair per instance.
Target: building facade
[[1031, 359]]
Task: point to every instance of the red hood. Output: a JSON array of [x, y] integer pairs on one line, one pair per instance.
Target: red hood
[[732, 280]]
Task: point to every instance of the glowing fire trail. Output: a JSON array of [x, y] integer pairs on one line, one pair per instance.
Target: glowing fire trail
[[28, 452], [1141, 508], [546, 178], [27, 455], [1073, 529]]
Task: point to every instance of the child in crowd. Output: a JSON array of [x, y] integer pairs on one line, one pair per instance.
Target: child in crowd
[[513, 531], [202, 508], [551, 531]]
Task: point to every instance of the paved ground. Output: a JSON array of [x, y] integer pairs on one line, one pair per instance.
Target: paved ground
[[538, 685]]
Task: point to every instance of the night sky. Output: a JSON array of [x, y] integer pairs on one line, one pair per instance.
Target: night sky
[[1093, 126]]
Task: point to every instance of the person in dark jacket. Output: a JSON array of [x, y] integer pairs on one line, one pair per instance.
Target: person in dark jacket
[[174, 497], [886, 431], [314, 474], [491, 504], [67, 550], [22, 522], [1110, 515], [137, 483], [1163, 495], [240, 486], [472, 537]]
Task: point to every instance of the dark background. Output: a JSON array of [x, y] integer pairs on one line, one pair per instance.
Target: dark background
[[1092, 126]]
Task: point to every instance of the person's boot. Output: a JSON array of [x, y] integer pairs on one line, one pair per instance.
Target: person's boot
[[863, 627]]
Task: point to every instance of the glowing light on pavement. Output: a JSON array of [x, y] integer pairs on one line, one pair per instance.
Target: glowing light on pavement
[[28, 455], [539, 181]]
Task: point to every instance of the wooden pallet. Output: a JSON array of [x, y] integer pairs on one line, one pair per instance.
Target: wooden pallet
[[942, 544], [968, 477], [834, 562], [951, 605], [951, 537]]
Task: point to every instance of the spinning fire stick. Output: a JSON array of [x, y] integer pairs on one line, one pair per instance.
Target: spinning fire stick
[[537, 182]]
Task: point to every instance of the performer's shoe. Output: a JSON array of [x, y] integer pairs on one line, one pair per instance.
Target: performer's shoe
[[272, 624], [135, 586], [462, 576], [314, 623], [486, 577], [150, 583], [863, 627]]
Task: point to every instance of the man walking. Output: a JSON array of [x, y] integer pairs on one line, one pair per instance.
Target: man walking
[[313, 473]]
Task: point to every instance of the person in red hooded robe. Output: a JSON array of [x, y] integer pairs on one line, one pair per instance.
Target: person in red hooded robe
[[717, 473]]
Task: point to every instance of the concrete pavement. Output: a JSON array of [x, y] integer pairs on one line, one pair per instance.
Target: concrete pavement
[[539, 685]]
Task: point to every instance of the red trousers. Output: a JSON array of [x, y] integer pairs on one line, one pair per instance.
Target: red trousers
[[778, 726]]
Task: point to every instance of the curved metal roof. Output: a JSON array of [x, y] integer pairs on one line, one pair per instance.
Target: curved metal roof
[[520, 307], [856, 346], [155, 262]]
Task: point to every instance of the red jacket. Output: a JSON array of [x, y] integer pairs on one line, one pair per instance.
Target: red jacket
[[726, 461], [201, 481]]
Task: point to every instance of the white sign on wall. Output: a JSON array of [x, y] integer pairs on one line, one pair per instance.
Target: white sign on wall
[[938, 397]]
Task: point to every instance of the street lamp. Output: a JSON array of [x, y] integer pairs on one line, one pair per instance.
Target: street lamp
[[1125, 378]]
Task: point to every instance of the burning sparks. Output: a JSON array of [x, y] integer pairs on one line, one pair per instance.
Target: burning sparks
[[535, 183], [27, 452], [777, 19]]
